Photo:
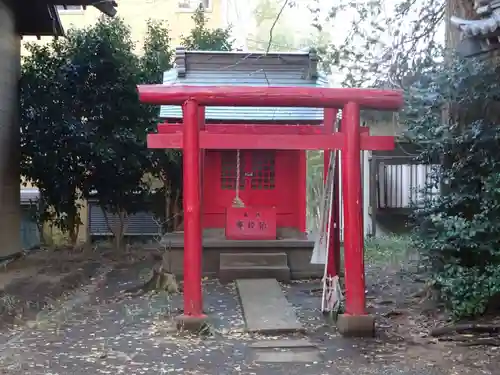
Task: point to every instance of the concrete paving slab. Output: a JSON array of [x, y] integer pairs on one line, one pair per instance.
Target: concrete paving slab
[[265, 307], [287, 355], [265, 344], [285, 351]]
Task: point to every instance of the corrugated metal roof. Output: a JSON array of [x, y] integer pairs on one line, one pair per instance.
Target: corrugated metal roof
[[208, 68]]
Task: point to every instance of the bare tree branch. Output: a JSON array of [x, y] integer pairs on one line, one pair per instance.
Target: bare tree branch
[[278, 16], [381, 47]]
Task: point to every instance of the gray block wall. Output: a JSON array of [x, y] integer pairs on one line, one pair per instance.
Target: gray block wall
[[10, 212]]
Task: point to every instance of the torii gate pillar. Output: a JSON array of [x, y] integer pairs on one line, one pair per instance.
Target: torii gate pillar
[[354, 321], [193, 309]]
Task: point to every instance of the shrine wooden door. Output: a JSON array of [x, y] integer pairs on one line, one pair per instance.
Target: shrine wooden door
[[257, 184], [268, 178]]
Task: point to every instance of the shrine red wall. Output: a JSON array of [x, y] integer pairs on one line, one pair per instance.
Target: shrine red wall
[[286, 190]]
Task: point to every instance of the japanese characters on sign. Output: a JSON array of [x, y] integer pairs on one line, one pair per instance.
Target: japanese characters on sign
[[247, 222], [251, 223]]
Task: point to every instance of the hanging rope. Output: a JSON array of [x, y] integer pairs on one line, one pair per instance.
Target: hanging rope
[[332, 297], [237, 202]]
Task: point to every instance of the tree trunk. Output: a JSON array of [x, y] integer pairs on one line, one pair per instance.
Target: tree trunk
[[117, 230], [122, 227], [177, 210], [168, 209], [40, 227], [50, 239], [41, 219], [74, 227]]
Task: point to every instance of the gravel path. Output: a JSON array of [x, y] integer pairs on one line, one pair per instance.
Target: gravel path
[[136, 336]]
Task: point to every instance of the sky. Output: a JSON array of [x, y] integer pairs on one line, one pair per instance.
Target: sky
[[299, 16], [239, 14]]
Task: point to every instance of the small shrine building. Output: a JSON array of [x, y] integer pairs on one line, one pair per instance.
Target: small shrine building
[[272, 183]]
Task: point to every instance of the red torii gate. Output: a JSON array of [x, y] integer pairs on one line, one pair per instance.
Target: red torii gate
[[194, 137]]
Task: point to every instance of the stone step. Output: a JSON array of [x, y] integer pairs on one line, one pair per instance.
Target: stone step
[[265, 307], [240, 265], [245, 259], [229, 274]]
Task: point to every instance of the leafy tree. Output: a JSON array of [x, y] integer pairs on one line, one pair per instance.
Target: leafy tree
[[117, 123], [103, 84], [458, 230], [81, 92], [315, 185], [451, 113], [53, 146], [201, 38], [382, 43], [157, 55], [166, 166]]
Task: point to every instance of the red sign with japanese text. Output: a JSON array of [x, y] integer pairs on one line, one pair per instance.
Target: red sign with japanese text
[[251, 223]]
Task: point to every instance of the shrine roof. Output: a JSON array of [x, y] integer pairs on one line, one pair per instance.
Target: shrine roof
[[41, 18], [473, 28], [479, 35], [222, 68]]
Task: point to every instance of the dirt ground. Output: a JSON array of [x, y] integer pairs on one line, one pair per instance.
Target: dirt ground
[[106, 334], [41, 279], [407, 315]]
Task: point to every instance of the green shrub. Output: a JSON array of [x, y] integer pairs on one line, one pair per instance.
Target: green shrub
[[458, 231], [468, 290]]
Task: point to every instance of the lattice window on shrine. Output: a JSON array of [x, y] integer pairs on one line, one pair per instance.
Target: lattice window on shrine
[[263, 170], [229, 171]]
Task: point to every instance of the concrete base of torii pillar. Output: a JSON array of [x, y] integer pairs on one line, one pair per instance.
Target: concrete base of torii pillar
[[356, 325]]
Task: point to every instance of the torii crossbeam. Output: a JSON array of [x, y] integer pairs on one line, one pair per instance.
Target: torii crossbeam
[[193, 136]]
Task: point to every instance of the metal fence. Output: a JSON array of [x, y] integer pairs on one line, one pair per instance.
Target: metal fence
[[403, 186], [139, 224]]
